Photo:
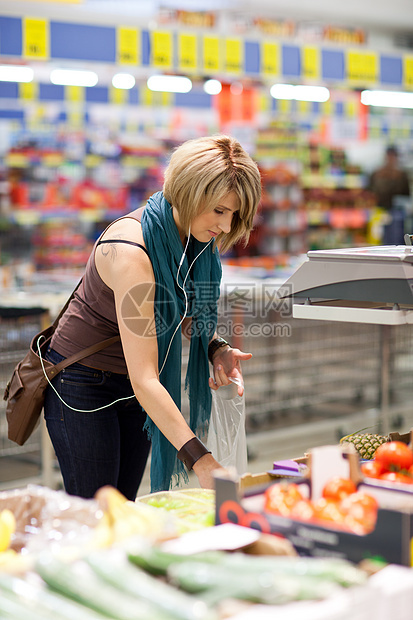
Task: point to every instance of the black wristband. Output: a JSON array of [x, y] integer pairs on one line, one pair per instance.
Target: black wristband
[[191, 452], [214, 345]]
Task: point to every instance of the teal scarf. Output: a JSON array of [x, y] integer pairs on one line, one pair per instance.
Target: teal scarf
[[165, 249]]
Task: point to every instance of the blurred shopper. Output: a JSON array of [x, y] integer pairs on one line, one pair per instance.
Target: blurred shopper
[[389, 180], [152, 275], [387, 183]]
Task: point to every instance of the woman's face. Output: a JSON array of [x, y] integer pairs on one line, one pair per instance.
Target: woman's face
[[210, 224]]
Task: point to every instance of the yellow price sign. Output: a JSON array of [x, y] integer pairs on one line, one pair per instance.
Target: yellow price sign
[[304, 107], [211, 54], [405, 130], [311, 63], [264, 103], [375, 131], [35, 38], [327, 108], [28, 90], [76, 118], [270, 58], [156, 99], [362, 66], [75, 93], [118, 96], [233, 55], [350, 108], [130, 161], [28, 217], [284, 105], [187, 52], [162, 49], [166, 99], [408, 71], [145, 97], [92, 160], [90, 215], [52, 160], [127, 46], [16, 160]]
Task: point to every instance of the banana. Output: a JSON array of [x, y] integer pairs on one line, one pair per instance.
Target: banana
[[7, 528], [126, 518]]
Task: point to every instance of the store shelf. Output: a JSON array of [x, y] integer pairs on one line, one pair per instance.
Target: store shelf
[[368, 315]]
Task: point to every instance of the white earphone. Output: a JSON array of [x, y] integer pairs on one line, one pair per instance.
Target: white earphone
[[183, 290]]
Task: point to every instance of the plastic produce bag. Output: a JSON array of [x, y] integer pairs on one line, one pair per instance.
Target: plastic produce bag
[[227, 435]]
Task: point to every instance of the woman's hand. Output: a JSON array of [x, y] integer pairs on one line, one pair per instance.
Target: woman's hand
[[203, 468], [227, 367]]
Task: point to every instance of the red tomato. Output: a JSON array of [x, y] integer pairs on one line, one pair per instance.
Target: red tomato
[[359, 503], [395, 476], [303, 510], [394, 454], [361, 512], [281, 497], [337, 488], [372, 469], [327, 509], [362, 525]]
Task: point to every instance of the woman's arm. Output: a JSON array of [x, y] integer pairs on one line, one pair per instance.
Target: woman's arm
[[128, 272]]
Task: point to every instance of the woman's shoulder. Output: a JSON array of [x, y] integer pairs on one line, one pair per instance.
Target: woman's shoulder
[[122, 255], [127, 227]]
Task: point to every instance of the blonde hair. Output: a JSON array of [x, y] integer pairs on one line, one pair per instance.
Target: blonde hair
[[202, 171]]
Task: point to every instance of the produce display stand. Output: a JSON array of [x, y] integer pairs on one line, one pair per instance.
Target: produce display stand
[[241, 501]]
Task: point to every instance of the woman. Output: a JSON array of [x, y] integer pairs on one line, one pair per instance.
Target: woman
[[152, 274]]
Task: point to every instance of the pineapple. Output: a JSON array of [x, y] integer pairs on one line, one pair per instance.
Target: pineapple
[[365, 444]]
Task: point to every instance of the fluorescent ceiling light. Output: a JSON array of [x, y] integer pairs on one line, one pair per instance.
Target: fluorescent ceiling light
[[71, 77], [387, 98], [15, 73], [123, 80], [169, 83], [300, 93], [212, 87]]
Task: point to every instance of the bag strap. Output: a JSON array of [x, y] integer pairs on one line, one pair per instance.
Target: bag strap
[[94, 348], [63, 310]]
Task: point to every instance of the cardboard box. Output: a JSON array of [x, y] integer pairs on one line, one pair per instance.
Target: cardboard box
[[241, 501]]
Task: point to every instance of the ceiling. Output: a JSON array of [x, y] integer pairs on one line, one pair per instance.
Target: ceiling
[[395, 16]]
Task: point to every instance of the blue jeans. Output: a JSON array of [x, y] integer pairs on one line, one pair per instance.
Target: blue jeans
[[94, 449]]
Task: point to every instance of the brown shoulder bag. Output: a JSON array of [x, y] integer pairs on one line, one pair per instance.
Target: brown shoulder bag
[[25, 392]]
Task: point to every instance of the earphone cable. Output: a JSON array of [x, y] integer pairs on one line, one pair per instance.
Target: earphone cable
[[184, 292]]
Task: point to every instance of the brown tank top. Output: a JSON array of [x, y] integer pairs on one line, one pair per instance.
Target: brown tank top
[[91, 317]]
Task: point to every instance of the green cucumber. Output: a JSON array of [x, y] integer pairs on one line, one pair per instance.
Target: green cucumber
[[79, 582], [155, 561], [11, 606], [114, 567], [42, 600], [215, 583], [338, 570]]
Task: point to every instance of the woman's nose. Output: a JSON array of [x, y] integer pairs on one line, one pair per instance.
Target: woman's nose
[[225, 224]]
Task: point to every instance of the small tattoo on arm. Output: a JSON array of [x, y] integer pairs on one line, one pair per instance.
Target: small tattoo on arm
[[110, 249]]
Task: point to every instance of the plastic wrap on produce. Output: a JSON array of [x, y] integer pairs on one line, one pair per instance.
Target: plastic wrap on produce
[[192, 509], [45, 517]]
